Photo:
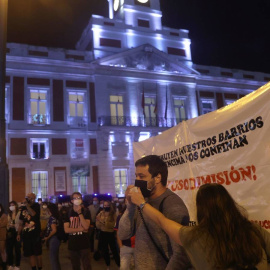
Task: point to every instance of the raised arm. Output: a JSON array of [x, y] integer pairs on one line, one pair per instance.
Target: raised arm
[[127, 221], [170, 227]]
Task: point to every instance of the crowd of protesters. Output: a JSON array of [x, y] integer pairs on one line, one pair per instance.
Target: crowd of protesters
[[149, 230], [89, 229]]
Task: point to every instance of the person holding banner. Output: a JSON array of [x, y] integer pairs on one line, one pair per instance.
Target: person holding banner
[[154, 250], [223, 239]]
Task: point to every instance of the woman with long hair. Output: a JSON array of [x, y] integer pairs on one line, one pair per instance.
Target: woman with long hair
[[105, 221], [223, 239], [12, 241], [3, 235], [51, 238]]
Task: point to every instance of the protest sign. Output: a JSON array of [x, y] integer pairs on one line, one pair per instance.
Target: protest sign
[[230, 146]]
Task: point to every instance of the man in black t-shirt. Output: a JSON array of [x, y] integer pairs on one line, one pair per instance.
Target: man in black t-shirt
[[30, 230], [76, 224]]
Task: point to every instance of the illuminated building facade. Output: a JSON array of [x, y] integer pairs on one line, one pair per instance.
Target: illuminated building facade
[[72, 115]]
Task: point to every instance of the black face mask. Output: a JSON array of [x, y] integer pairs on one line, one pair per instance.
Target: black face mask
[[142, 184], [107, 209]]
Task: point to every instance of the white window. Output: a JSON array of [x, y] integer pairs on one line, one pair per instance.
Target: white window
[[208, 105], [149, 107], [38, 107], [79, 184], [179, 109], [120, 180], [78, 147], [150, 111], [39, 148], [40, 184], [117, 110], [77, 109], [76, 104]]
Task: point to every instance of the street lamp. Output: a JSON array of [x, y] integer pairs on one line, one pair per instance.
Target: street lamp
[[4, 182]]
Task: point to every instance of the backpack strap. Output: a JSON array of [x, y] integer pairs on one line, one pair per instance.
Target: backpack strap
[[147, 229], [162, 202], [151, 237]]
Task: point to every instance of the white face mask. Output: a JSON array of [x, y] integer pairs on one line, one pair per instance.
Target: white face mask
[[101, 205], [95, 202], [12, 208], [77, 202]]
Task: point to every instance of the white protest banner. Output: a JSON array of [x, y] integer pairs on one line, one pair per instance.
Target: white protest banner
[[230, 146]]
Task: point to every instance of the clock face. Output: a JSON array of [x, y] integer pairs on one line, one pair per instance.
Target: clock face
[[145, 3], [116, 5]]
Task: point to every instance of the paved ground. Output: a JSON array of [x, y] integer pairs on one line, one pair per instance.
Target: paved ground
[[65, 262]]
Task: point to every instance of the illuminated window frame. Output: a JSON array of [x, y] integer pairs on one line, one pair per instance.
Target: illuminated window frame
[[117, 109], [39, 141], [77, 120], [79, 184], [208, 101], [149, 106], [38, 118], [40, 184], [79, 100], [181, 109], [120, 181]]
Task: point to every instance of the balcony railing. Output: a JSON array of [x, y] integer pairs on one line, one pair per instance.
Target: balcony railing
[[138, 121], [39, 155], [38, 119], [77, 122]]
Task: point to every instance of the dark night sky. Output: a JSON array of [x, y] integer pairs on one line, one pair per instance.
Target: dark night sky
[[232, 33]]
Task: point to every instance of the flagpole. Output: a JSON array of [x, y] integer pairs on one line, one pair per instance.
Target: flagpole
[[143, 100], [155, 110]]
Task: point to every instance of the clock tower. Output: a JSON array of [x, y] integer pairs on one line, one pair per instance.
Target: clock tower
[[142, 13], [133, 23]]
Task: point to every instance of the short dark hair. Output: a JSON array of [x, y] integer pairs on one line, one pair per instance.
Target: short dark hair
[[156, 166], [76, 192]]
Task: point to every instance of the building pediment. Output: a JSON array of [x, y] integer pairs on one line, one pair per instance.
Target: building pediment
[[146, 58]]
